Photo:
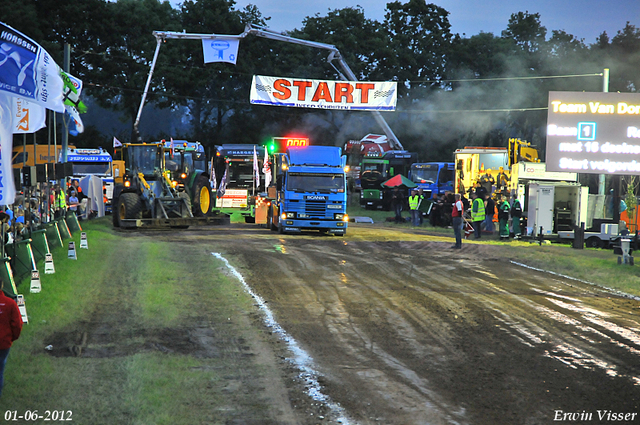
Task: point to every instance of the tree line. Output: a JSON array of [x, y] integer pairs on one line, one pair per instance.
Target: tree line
[[453, 90]]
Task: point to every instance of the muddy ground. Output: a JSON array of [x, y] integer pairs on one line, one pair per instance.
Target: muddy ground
[[400, 329]]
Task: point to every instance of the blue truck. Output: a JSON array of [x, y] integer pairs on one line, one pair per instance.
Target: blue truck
[[310, 191], [433, 177]]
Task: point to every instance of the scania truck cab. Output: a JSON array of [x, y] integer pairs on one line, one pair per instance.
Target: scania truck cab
[[310, 191]]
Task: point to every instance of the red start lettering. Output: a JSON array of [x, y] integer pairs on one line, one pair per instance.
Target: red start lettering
[[343, 92]]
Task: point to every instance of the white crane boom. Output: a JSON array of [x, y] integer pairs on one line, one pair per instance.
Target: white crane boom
[[334, 54]]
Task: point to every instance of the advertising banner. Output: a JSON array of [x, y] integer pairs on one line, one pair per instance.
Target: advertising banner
[[27, 117], [324, 94], [593, 133], [220, 50], [7, 188], [28, 71]]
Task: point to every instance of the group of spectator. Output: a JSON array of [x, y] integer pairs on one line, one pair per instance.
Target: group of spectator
[[490, 197], [44, 204]]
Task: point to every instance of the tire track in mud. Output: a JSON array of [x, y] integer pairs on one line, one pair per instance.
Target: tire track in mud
[[410, 332]]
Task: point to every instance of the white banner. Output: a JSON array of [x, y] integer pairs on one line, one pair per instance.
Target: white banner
[[220, 50], [27, 117], [28, 71], [300, 93], [7, 187]]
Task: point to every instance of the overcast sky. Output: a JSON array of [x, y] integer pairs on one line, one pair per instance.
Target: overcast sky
[[585, 19]]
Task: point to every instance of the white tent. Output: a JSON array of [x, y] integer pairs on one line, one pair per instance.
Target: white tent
[[92, 188]]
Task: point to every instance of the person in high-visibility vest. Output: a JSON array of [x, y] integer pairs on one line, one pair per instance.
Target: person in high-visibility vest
[[477, 214], [414, 204], [59, 202]]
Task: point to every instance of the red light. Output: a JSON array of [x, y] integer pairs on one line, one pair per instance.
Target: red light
[[297, 143]]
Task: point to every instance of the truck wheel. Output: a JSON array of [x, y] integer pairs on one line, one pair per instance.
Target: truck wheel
[[202, 197], [593, 242], [129, 206]]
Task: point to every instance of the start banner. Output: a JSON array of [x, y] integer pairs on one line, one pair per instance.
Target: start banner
[[324, 94]]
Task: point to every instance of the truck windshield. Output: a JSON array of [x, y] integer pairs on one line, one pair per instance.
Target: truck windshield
[[144, 159], [424, 175], [91, 168], [241, 174], [315, 182]]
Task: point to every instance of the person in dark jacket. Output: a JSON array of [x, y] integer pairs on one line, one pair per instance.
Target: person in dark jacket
[[489, 211], [503, 218], [10, 328], [397, 203], [516, 214]]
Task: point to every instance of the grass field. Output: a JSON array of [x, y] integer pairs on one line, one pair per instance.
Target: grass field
[[133, 369]]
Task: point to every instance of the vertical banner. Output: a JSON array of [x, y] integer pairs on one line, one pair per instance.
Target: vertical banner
[[256, 171], [28, 71], [266, 169], [27, 117], [7, 187], [220, 50]]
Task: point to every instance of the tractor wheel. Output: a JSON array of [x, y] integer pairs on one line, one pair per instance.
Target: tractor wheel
[[201, 197], [187, 198], [115, 216], [129, 206]]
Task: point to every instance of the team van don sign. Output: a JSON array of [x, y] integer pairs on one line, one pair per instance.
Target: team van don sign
[[301, 93]]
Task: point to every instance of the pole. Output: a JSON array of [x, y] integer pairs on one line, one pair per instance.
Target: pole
[[605, 89], [136, 124]]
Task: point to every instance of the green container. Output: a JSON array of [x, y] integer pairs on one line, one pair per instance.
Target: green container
[[40, 245], [63, 229], [7, 277], [73, 223], [53, 235], [23, 260]]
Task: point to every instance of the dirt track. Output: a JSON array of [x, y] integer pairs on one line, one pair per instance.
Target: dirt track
[[404, 330]]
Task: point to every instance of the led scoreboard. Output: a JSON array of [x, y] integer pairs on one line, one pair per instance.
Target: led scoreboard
[[593, 133], [281, 144]]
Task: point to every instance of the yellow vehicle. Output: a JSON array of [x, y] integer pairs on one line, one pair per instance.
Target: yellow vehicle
[[30, 155], [473, 162]]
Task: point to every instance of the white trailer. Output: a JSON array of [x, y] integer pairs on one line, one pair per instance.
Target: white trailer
[[554, 207]]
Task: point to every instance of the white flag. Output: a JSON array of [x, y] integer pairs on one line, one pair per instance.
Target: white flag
[[220, 50], [223, 184], [256, 170], [116, 142], [28, 71], [266, 169], [7, 187], [27, 117]]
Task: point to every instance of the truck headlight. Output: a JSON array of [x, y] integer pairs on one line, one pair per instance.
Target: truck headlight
[[341, 217], [286, 215]]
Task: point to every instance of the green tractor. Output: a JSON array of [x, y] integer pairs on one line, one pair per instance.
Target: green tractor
[[145, 194], [191, 175]]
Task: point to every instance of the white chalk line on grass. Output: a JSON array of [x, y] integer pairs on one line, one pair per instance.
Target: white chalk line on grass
[[601, 287], [300, 359]]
